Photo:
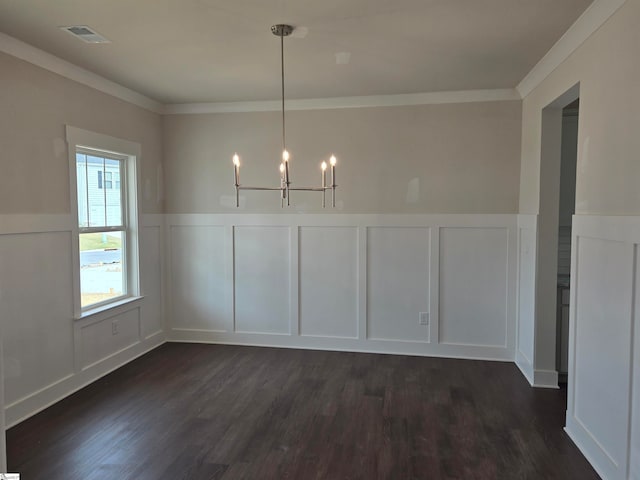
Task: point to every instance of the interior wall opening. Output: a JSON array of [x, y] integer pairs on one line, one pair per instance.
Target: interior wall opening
[[567, 204], [552, 258]]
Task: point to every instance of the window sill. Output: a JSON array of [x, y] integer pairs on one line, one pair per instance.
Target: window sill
[[114, 308]]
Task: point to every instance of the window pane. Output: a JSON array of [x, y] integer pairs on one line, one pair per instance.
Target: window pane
[[113, 192], [81, 176], [102, 269], [96, 194]]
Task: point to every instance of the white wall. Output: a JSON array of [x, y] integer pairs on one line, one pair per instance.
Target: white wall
[[46, 353], [601, 366], [36, 105], [603, 411], [446, 158], [526, 309], [425, 222], [608, 72], [3, 438], [345, 282]]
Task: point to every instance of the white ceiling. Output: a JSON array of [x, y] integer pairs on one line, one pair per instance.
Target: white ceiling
[[180, 51]]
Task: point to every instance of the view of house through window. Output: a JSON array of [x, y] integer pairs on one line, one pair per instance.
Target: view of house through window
[[102, 227]]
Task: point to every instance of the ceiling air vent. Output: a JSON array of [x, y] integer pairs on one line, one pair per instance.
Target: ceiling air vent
[[86, 34]]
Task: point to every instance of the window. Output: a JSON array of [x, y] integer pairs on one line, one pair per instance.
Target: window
[[105, 191]]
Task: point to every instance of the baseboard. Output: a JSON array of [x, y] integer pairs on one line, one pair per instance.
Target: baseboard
[[393, 347], [580, 439], [536, 378], [525, 367], [545, 379], [28, 406]]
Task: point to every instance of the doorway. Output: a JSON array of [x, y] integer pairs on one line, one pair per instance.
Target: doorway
[[549, 344], [566, 210]]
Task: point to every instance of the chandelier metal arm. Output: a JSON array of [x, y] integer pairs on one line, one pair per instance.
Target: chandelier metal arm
[[285, 189], [296, 189]]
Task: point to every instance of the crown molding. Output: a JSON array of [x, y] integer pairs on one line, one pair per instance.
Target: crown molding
[[433, 98], [40, 58], [591, 20]]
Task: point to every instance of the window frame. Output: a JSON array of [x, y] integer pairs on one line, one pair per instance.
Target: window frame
[[129, 154]]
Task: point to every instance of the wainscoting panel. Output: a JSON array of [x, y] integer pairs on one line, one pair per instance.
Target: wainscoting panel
[[262, 256], [398, 283], [329, 281], [602, 399], [526, 306], [198, 277], [107, 336], [353, 282], [151, 257], [604, 291], [36, 310], [634, 447], [473, 286], [47, 353]]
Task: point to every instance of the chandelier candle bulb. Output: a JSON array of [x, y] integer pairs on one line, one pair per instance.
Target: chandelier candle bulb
[[236, 169], [323, 166], [333, 162], [283, 191], [324, 174], [285, 157], [236, 176]]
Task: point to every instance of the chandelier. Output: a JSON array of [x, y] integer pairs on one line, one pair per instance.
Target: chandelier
[[285, 187]]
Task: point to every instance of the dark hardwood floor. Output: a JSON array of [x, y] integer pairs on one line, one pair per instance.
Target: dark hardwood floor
[[187, 411]]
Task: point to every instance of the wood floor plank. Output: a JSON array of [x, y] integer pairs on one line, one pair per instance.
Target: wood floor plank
[[215, 412]]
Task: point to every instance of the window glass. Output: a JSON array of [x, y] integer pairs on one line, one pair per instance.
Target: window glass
[[81, 174], [105, 250], [102, 273], [95, 195], [113, 193], [101, 206]]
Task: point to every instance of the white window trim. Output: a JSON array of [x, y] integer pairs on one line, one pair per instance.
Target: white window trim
[[132, 153]]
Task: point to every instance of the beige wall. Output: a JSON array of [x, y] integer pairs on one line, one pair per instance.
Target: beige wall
[[35, 105], [608, 70], [454, 158]]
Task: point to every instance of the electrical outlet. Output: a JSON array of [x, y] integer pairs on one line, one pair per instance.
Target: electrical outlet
[[423, 318], [114, 327]]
